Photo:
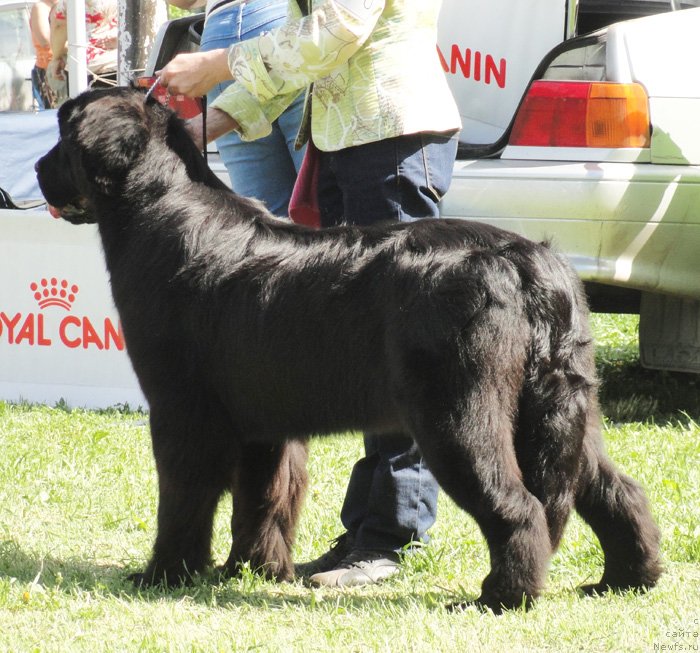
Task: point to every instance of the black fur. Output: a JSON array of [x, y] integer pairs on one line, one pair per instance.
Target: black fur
[[250, 334]]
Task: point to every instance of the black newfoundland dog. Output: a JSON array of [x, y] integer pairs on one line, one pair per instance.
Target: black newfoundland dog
[[250, 334]]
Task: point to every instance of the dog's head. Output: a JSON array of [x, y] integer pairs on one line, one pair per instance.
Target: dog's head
[[103, 135]]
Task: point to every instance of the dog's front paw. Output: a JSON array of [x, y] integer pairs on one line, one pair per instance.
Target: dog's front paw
[[154, 576], [490, 604], [142, 580], [269, 571]]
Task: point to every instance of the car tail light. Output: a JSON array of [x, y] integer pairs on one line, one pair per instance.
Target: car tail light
[[583, 114], [185, 107]]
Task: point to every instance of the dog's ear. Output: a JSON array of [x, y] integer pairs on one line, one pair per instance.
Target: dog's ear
[[110, 132]]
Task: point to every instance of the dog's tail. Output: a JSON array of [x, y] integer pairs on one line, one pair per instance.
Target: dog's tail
[[558, 404]]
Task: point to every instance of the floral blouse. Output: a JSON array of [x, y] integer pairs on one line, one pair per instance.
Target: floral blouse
[[373, 65]]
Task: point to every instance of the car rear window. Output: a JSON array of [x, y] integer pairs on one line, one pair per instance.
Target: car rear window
[[594, 14]]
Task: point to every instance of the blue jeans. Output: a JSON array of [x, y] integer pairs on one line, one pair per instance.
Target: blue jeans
[[391, 499], [267, 168]]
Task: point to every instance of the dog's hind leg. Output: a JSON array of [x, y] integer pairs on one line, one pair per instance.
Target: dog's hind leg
[[268, 492], [460, 408], [616, 508], [478, 470]]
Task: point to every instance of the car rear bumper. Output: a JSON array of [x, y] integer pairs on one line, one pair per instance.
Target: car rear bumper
[[620, 223]]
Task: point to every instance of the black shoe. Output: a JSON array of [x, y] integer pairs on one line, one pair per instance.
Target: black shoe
[[341, 546]]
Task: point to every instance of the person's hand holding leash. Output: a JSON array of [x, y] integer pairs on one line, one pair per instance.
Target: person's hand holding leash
[[193, 74]]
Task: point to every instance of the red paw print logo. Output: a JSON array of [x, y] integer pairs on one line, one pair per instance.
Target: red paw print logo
[[54, 292]]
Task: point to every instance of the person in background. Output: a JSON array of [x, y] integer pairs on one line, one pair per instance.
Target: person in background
[[385, 126], [102, 38], [41, 39], [265, 168]]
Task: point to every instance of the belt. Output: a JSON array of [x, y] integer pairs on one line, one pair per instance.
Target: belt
[[216, 6]]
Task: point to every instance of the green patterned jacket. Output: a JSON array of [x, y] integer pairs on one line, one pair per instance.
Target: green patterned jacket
[[370, 68]]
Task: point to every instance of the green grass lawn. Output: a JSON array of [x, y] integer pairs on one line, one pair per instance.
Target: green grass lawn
[[77, 514]]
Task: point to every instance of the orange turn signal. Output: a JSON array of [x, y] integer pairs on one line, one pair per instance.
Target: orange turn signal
[[618, 116]]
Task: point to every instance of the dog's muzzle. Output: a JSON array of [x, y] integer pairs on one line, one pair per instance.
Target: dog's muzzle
[[61, 198], [71, 213]]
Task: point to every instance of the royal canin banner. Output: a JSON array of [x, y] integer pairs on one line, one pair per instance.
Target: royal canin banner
[[60, 336], [489, 52]]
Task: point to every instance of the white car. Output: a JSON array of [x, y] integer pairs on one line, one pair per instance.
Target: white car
[[592, 143]]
